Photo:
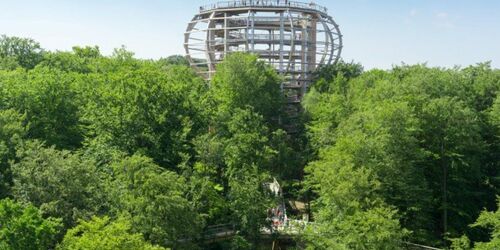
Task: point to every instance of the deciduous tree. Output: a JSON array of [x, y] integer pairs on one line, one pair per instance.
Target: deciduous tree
[[104, 234], [63, 184], [23, 227]]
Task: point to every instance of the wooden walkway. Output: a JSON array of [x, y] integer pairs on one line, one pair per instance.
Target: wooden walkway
[[224, 232]]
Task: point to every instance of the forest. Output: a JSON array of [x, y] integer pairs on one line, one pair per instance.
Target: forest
[[115, 152]]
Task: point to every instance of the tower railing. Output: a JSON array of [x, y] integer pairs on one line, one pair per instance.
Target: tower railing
[[263, 4]]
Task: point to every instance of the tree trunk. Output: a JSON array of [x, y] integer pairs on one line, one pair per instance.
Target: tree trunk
[[445, 191]]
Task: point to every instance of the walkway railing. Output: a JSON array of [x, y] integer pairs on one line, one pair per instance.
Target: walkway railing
[[413, 246], [263, 4], [290, 228], [222, 230]]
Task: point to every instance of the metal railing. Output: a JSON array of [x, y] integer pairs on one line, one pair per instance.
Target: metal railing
[[413, 246], [263, 4], [271, 37], [222, 230]]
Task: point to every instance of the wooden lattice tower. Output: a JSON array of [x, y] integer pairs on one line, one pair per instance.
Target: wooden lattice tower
[[293, 37]]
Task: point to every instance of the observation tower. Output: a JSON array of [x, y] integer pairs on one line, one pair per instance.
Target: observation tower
[[293, 37]]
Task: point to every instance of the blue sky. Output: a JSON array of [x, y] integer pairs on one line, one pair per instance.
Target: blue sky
[[377, 33]]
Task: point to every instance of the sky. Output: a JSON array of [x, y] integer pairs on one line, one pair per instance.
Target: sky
[[377, 33]]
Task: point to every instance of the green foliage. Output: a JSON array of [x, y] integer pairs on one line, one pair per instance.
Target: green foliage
[[108, 108], [425, 137], [490, 220], [328, 77], [104, 234], [155, 200], [81, 60], [453, 138], [23, 52], [242, 146], [207, 196], [49, 101], [248, 202], [242, 80], [238, 141], [145, 110], [349, 207], [405, 154], [374, 157], [61, 183], [240, 243], [8, 63], [376, 228], [486, 220], [174, 60], [23, 227], [11, 132], [462, 243], [495, 113], [238, 155], [248, 144]]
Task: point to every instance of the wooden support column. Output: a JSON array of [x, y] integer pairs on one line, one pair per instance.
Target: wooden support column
[[226, 35]]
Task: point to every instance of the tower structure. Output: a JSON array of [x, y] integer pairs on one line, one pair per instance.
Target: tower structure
[[293, 37]]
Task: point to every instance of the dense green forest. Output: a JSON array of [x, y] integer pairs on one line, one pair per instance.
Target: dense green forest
[[114, 152]]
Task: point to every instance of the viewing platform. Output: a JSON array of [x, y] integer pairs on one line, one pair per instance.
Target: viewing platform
[[264, 4], [293, 37]]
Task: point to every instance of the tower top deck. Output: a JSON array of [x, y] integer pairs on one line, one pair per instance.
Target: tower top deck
[[264, 4]]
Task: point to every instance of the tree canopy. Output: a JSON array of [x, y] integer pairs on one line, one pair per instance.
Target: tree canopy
[[115, 152], [419, 142], [23, 227], [19, 52], [103, 234]]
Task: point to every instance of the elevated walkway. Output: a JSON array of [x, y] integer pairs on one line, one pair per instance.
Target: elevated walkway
[[222, 232], [270, 4]]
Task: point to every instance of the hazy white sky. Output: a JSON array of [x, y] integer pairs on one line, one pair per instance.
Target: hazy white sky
[[377, 33]]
